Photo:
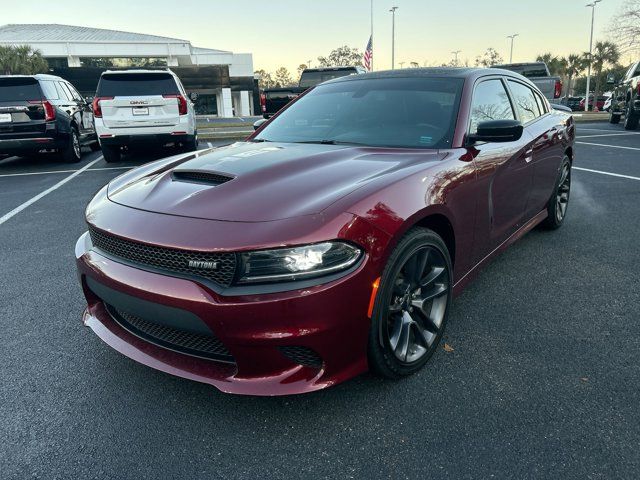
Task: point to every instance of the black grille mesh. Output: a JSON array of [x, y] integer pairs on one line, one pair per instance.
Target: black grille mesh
[[302, 356], [200, 345], [170, 260], [203, 177]]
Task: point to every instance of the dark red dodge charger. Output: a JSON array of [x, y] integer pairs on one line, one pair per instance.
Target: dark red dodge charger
[[330, 241]]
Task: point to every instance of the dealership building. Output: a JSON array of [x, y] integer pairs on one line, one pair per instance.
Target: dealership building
[[223, 80]]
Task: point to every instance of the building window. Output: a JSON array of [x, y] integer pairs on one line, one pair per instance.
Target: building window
[[122, 62]]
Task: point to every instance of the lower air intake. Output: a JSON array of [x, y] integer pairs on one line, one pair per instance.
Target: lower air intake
[[196, 344], [302, 356]]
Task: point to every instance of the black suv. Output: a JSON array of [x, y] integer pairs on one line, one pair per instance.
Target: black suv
[[44, 112]]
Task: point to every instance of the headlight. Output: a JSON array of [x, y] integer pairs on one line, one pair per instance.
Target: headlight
[[286, 264]]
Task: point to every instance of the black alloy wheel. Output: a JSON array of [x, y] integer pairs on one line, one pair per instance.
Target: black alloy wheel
[[412, 306], [559, 202]]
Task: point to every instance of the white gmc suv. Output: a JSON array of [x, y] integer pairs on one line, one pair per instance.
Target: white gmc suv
[[142, 107]]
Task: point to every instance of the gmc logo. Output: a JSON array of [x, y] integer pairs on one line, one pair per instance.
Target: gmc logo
[[138, 102]]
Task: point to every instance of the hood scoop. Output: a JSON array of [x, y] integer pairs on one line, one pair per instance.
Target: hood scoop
[[202, 177]]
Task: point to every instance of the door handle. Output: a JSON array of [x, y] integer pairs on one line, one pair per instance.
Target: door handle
[[528, 155]]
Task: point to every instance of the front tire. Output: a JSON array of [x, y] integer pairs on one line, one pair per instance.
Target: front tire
[[72, 152], [559, 202], [631, 118], [614, 118], [412, 305]]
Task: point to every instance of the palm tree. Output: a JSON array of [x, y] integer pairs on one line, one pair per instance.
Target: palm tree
[[605, 53], [574, 64], [21, 60], [554, 64]]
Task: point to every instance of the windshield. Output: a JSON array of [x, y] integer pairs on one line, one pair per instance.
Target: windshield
[[417, 112], [313, 78], [136, 84], [19, 89]]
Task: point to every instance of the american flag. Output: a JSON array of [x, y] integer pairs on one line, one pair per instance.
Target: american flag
[[368, 54]]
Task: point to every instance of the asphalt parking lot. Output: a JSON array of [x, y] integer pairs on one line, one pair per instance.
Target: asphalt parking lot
[[543, 379]]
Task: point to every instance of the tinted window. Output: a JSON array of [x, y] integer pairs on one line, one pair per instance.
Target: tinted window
[[525, 101], [490, 102], [391, 112], [136, 84], [542, 106], [49, 89], [529, 71], [62, 93], [66, 90], [19, 89], [310, 79], [74, 92]]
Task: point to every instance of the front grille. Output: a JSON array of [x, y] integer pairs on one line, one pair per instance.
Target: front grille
[[196, 344], [210, 178], [302, 356], [170, 260]]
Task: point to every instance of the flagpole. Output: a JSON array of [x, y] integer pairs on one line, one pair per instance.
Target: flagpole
[[372, 35]]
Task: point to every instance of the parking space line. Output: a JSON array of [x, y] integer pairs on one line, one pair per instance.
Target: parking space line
[[33, 200], [608, 146], [25, 174], [608, 135], [606, 173]]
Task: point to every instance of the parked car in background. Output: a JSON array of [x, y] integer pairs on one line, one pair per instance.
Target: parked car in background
[[143, 108], [273, 99], [333, 239], [574, 103], [44, 113], [626, 97], [599, 103], [538, 73]]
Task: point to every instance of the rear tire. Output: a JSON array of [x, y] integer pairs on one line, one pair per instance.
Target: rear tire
[[411, 306], [614, 118], [559, 202], [72, 152], [191, 145], [631, 118], [111, 154]]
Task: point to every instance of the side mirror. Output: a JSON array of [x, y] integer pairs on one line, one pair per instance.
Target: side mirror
[[89, 100], [497, 131], [259, 123], [193, 96], [611, 79]]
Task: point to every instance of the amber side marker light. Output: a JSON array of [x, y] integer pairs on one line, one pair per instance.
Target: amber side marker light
[[374, 292]]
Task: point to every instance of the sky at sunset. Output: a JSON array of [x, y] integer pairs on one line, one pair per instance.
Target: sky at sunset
[[290, 32]]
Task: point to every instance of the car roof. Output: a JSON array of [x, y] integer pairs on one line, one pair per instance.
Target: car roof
[[139, 70], [470, 73], [39, 76]]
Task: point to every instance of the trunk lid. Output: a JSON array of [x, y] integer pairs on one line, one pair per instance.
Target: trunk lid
[[140, 111]]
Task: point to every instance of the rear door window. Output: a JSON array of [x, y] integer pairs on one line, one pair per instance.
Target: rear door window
[[490, 102], [49, 89], [62, 94], [66, 90], [136, 84], [525, 101], [19, 89]]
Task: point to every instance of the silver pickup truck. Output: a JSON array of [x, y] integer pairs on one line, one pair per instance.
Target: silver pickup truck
[[539, 74]]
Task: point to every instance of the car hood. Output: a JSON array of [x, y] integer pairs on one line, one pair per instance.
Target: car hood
[[254, 182]]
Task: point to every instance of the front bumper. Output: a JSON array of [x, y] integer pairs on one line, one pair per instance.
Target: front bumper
[[330, 320]]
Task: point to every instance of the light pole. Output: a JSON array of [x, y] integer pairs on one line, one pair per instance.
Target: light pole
[[512, 37], [593, 15], [455, 60], [393, 37]]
